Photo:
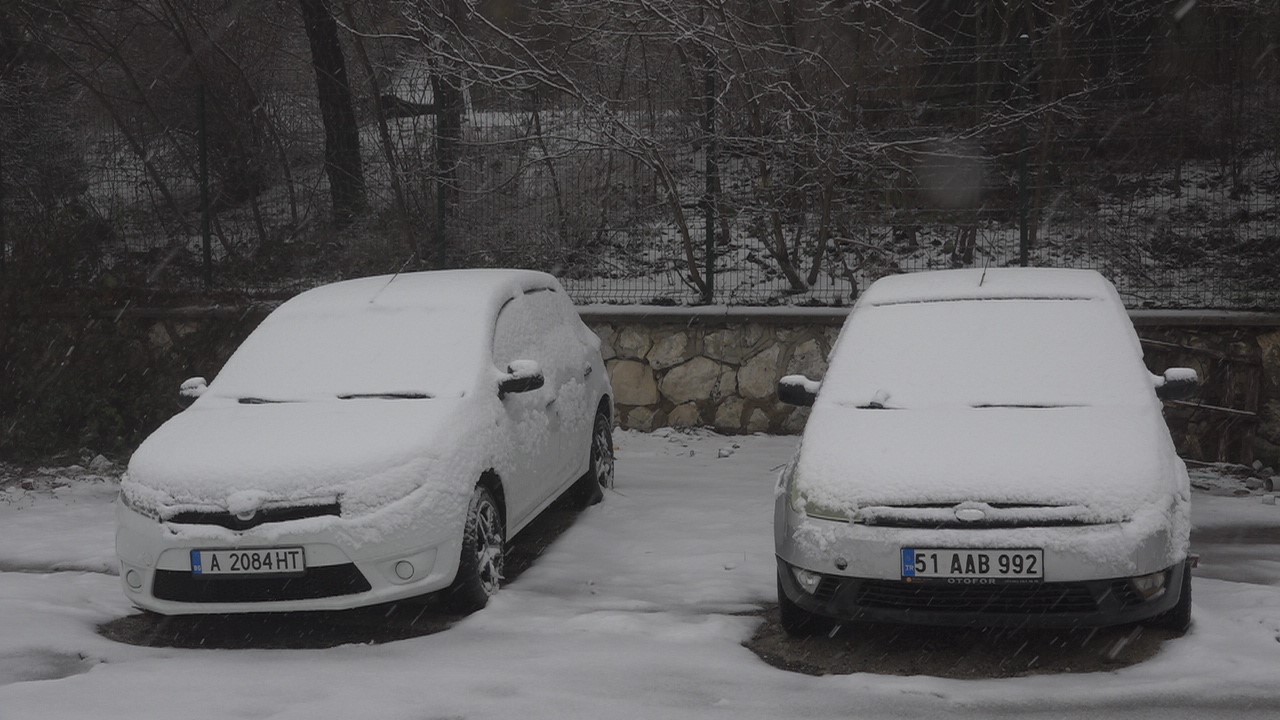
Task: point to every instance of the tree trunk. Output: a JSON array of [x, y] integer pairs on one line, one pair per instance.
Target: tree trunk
[[341, 134], [384, 133]]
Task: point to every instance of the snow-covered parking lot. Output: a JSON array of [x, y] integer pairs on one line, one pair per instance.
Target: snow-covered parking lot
[[641, 608]]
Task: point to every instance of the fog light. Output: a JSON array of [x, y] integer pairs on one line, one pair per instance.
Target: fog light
[[808, 580], [404, 569], [133, 579], [1150, 586]]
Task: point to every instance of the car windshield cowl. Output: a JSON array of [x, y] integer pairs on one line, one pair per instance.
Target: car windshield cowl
[[400, 395], [380, 395], [1032, 405], [253, 400], [1026, 406]]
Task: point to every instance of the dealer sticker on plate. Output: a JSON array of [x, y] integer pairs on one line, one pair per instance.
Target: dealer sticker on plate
[[972, 563], [256, 561]]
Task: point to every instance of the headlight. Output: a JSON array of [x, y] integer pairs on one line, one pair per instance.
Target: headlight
[[802, 504], [142, 510], [808, 580], [1150, 586]]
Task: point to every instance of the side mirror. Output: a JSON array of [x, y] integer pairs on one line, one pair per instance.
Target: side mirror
[[798, 390], [521, 376], [190, 389], [1176, 383]]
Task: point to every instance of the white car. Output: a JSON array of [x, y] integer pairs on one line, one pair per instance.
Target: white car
[[987, 448], [371, 440]]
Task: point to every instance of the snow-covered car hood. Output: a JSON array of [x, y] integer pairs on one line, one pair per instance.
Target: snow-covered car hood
[[1109, 460], [223, 454]]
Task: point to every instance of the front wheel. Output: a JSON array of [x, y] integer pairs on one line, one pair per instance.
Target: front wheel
[[589, 488], [483, 552]]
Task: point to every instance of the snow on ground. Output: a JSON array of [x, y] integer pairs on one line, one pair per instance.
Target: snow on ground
[[635, 612]]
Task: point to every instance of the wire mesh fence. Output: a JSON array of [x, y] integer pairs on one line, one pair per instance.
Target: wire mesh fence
[[1154, 162]]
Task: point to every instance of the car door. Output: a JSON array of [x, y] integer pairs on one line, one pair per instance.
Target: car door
[[572, 359], [532, 418]]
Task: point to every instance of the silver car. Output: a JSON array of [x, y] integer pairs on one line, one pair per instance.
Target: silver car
[[987, 448]]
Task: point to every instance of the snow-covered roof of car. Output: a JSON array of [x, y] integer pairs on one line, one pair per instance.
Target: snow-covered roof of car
[[434, 289], [414, 333], [998, 284]]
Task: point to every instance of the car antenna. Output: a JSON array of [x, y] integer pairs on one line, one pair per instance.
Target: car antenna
[[395, 275], [986, 263]]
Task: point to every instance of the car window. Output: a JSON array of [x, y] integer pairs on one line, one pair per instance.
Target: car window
[[536, 326], [987, 353]]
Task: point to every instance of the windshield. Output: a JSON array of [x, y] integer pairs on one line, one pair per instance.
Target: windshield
[[366, 353], [987, 354]]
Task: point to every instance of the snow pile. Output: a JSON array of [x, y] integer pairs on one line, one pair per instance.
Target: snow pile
[[58, 519]]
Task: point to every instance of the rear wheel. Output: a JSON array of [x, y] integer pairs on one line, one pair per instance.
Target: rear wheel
[[1178, 617], [483, 551], [798, 622]]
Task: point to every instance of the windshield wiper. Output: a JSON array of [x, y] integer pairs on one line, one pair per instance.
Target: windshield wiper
[[1033, 406], [259, 401], [386, 396]]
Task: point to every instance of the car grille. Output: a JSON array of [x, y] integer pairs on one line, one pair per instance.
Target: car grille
[[827, 588], [991, 524], [317, 582], [262, 517], [1039, 598], [942, 516]]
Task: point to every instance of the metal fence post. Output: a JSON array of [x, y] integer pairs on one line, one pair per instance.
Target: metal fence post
[[441, 240], [4, 245], [204, 189], [712, 175], [1024, 106]]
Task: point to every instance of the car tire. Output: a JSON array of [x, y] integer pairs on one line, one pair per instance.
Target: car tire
[[483, 552], [798, 622], [589, 489], [1178, 617]]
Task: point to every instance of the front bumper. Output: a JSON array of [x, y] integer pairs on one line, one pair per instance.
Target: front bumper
[[343, 572], [1086, 571], [1085, 603]]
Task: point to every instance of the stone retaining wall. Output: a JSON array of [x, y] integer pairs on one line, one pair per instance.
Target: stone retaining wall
[[718, 373], [104, 380]]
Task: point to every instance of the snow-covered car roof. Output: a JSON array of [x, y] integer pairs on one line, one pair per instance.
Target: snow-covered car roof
[[989, 284], [413, 333], [431, 289], [1014, 336]]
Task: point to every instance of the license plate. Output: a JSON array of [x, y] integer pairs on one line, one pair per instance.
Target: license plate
[[258, 561], [962, 563]]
